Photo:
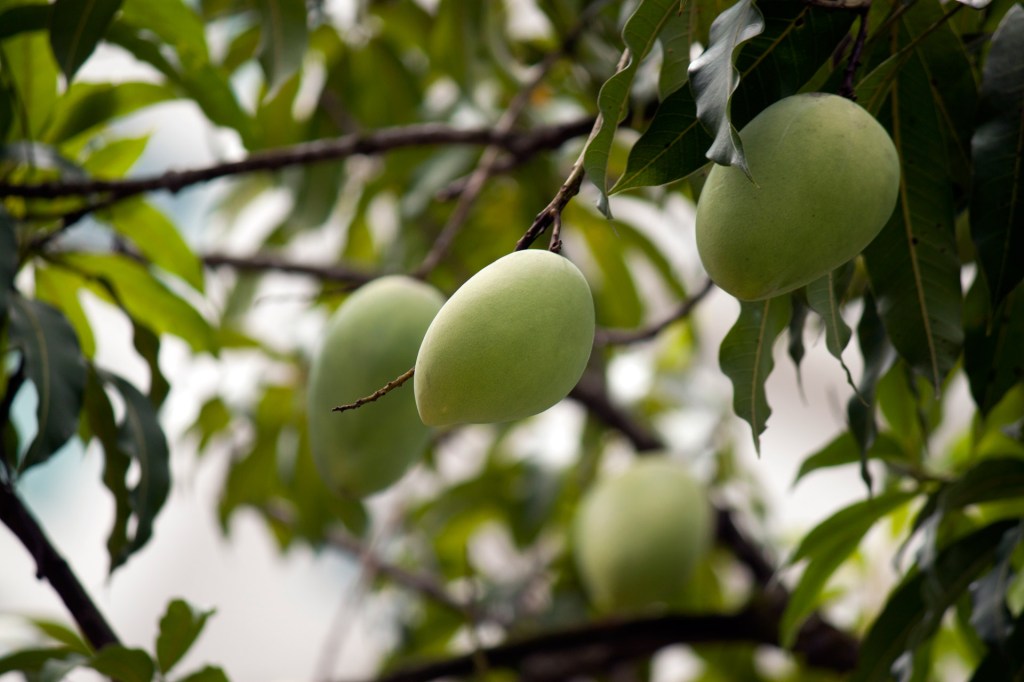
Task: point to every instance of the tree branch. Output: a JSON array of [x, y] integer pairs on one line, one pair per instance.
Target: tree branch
[[365, 144], [52, 567], [263, 263], [614, 337], [379, 393], [595, 647]]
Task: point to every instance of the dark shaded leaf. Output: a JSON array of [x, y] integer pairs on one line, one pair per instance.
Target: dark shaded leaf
[[878, 357], [60, 288], [76, 27], [639, 34], [990, 614], [284, 39], [54, 364], [123, 664], [746, 358], [797, 322], [993, 344], [141, 437], [826, 547], [844, 449], [997, 202], [913, 264], [798, 39], [676, 38], [824, 296], [714, 79], [24, 19], [33, 660], [912, 613], [1004, 662], [8, 261], [179, 628]]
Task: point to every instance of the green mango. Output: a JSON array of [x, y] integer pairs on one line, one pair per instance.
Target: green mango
[[370, 340], [824, 181], [638, 536], [511, 342]]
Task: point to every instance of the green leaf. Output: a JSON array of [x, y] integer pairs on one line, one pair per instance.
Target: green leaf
[[913, 264], [823, 295], [997, 201], [746, 358], [878, 356], [141, 437], [123, 664], [993, 344], [115, 158], [1005, 662], [102, 424], [206, 674], [132, 286], [639, 34], [174, 22], [179, 628], [910, 616], [54, 364], [214, 417], [59, 632], [86, 106], [990, 614], [284, 39], [157, 238], [714, 79], [826, 547], [844, 449], [33, 660], [60, 288], [798, 39], [29, 67], [76, 27], [676, 38]]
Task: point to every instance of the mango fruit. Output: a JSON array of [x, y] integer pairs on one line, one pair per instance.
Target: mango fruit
[[825, 179], [371, 339], [638, 536], [510, 343]]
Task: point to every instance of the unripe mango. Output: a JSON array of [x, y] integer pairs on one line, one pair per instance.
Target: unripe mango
[[825, 181], [370, 340], [511, 342], [638, 536]]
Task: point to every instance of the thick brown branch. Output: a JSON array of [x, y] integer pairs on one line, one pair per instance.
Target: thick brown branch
[[594, 648], [52, 567], [544, 219], [376, 142]]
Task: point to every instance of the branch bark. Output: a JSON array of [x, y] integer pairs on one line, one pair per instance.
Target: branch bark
[[52, 567], [595, 647]]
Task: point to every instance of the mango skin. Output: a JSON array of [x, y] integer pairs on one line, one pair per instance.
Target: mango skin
[[510, 343], [638, 536], [371, 339], [826, 179]]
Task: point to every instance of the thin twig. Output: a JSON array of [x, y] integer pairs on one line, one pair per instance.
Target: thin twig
[[847, 89], [379, 393], [492, 154], [617, 337], [544, 219], [264, 262]]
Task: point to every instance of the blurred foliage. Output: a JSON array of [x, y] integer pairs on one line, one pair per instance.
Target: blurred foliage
[[937, 299]]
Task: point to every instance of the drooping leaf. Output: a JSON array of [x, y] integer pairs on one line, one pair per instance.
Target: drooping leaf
[[1005, 662], [676, 38], [639, 35], [140, 436], [998, 478], [798, 39], [878, 356], [157, 238], [54, 364], [913, 264], [910, 616], [87, 105], [993, 344], [826, 547], [132, 286], [824, 296], [207, 673], [123, 664], [8, 261], [714, 79], [997, 200], [795, 348], [746, 358], [284, 40], [179, 628], [33, 660], [844, 449], [990, 614], [76, 27]]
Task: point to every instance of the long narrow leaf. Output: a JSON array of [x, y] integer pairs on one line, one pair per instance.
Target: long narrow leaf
[[76, 27]]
